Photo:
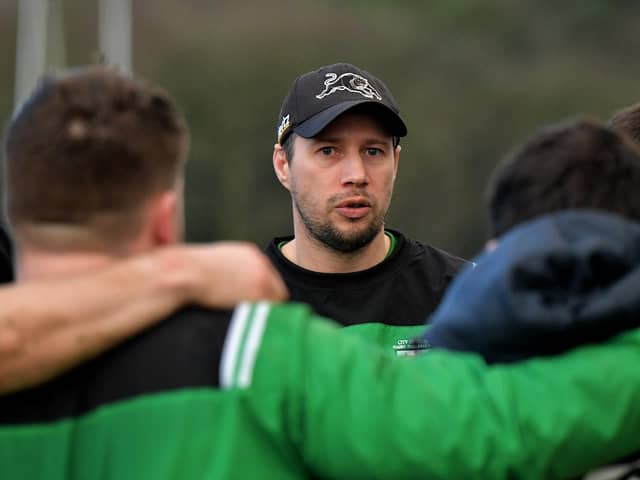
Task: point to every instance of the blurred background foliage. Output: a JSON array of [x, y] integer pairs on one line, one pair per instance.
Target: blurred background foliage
[[472, 78]]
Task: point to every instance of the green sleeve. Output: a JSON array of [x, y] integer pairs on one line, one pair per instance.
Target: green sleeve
[[352, 412]]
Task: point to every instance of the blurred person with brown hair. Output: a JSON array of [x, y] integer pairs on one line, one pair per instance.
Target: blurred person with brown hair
[[94, 163], [49, 325], [337, 153], [266, 390]]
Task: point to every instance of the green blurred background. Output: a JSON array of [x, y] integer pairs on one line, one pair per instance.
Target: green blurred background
[[472, 78]]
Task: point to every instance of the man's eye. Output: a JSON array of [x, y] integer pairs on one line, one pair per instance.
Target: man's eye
[[327, 150], [374, 151]]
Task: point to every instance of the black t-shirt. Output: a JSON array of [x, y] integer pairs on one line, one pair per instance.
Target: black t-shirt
[[402, 290], [6, 253]]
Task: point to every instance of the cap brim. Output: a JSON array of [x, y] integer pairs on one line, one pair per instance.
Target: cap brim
[[314, 125]]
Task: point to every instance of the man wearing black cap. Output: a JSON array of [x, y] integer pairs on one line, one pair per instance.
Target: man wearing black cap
[[337, 153]]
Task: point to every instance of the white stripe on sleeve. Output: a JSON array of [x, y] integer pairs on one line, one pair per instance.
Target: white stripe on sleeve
[[253, 343], [232, 343]]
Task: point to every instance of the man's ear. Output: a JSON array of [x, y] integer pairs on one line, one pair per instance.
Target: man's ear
[[166, 219], [281, 165], [396, 154]]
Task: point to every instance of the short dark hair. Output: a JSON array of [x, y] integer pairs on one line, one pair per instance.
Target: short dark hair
[[627, 122], [288, 147], [580, 164], [90, 144]]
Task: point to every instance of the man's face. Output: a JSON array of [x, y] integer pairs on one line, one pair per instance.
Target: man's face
[[341, 182]]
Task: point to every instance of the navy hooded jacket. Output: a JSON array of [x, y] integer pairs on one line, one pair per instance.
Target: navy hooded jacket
[[562, 280]]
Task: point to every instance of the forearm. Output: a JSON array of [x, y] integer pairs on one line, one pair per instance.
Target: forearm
[[47, 327]]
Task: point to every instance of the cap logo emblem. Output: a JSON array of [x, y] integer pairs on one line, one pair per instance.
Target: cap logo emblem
[[283, 125], [350, 82]]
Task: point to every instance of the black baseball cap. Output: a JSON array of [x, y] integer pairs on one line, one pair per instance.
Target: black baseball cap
[[317, 98]]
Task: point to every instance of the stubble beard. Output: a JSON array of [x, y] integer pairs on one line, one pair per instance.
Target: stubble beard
[[330, 236]]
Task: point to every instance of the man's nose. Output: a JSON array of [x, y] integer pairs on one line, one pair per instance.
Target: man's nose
[[354, 170]]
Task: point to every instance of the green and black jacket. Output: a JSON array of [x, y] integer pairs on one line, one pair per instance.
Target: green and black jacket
[[271, 391]]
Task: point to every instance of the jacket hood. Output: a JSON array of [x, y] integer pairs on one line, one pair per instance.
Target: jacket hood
[[559, 281]]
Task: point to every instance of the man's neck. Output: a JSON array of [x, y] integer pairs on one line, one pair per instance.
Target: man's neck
[[313, 255], [41, 265]]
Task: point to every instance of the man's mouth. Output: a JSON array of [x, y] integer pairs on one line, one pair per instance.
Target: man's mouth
[[354, 208]]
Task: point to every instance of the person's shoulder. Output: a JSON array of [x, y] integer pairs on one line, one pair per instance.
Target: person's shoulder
[[422, 251], [195, 314], [453, 261], [189, 328]]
